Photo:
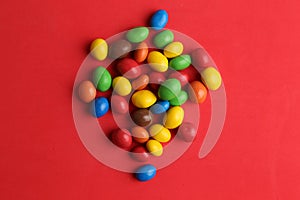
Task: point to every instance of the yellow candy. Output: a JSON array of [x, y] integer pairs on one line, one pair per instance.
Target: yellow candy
[[157, 61], [173, 49], [154, 147], [211, 78], [174, 117], [160, 133], [143, 99], [99, 49], [121, 86]]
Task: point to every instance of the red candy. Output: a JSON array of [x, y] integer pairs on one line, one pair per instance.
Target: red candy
[[139, 153], [156, 78], [201, 59], [119, 104], [187, 131], [197, 92], [122, 138], [183, 78], [129, 68]]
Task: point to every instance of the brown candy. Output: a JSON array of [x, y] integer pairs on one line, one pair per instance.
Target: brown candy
[[119, 48], [141, 117]]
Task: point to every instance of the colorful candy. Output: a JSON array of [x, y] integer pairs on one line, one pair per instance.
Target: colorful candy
[[129, 68], [145, 173], [157, 61], [140, 83], [187, 131], [137, 34], [201, 59], [174, 117], [86, 91], [99, 49], [169, 89], [154, 147], [119, 48], [173, 49], [160, 107], [141, 52], [140, 134], [211, 78], [102, 79], [122, 138], [159, 20], [183, 78], [197, 92], [159, 133], [156, 79], [139, 153], [121, 86], [143, 99], [101, 106], [141, 117], [119, 104], [163, 38], [180, 62], [179, 99]]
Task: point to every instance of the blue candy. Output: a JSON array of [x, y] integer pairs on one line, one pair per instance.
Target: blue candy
[[145, 173], [159, 19], [101, 106], [160, 107]]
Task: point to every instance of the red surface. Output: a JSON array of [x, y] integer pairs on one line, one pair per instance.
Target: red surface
[[256, 46]]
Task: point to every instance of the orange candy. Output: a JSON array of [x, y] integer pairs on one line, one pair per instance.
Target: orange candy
[[141, 52], [197, 92], [140, 134], [140, 83], [87, 91]]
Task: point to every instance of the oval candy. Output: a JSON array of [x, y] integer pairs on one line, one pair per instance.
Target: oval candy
[[99, 49], [182, 77], [121, 86], [180, 62], [119, 48], [119, 104], [197, 92], [86, 91], [163, 38], [140, 83], [201, 59], [173, 49], [122, 138], [137, 34], [159, 20], [129, 68], [143, 99], [139, 153], [101, 106], [180, 99], [141, 117], [160, 107], [145, 173], [157, 61], [159, 133], [187, 131], [102, 79], [154, 147], [174, 117], [156, 79], [211, 78], [141, 52], [169, 89], [140, 134]]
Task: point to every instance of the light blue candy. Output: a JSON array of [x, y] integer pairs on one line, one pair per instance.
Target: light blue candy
[[101, 106], [145, 173], [159, 20], [160, 107]]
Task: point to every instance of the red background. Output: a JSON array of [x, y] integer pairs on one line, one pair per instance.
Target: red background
[[256, 46]]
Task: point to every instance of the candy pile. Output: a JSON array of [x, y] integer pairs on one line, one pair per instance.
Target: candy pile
[[151, 93]]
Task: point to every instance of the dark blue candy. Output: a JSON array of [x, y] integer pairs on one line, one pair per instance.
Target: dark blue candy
[[160, 107], [159, 19], [101, 106], [145, 173]]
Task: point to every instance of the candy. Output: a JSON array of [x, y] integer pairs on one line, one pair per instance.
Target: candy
[[140, 134], [145, 173], [139, 153], [174, 117], [183, 78], [137, 34], [156, 79], [86, 91], [119, 104], [141, 52], [201, 59], [169, 89], [121, 86], [180, 62], [159, 19], [119, 48], [154, 147], [99, 49], [129, 68], [187, 131], [211, 78], [101, 106], [122, 138], [143, 99], [102, 79], [197, 92], [140, 83], [157, 61], [163, 38], [173, 49], [160, 107], [179, 99], [141, 117], [159, 133]]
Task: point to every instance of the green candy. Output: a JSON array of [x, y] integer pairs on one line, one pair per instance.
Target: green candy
[[179, 99], [163, 38], [137, 34], [180, 62], [169, 89], [102, 79]]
